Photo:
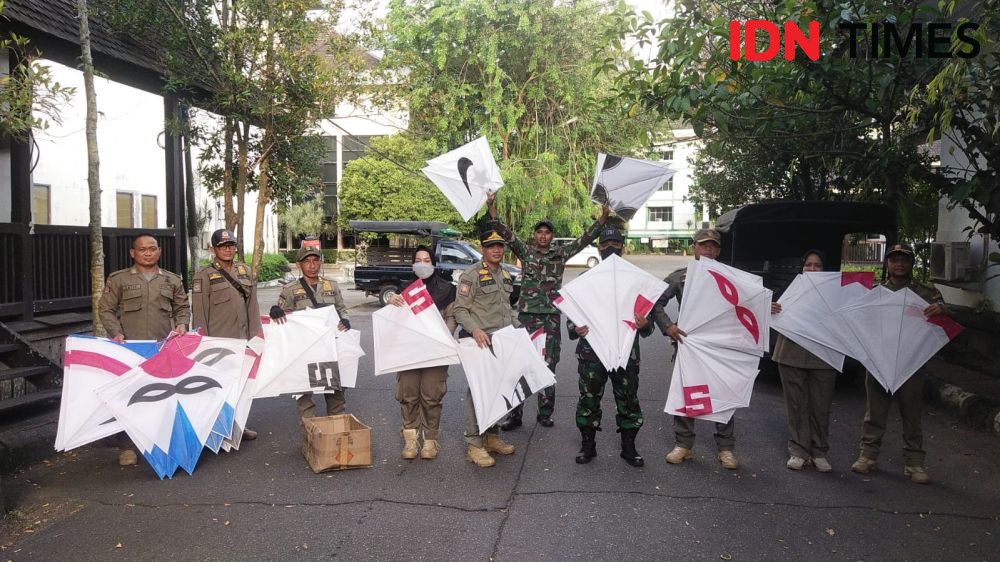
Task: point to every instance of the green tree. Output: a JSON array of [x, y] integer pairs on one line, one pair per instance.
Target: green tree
[[961, 104], [383, 187], [529, 76], [29, 96], [270, 70], [827, 129]]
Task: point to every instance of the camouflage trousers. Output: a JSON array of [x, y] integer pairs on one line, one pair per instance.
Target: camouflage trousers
[[553, 340], [624, 384]]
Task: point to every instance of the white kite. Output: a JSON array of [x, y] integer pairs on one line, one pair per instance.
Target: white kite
[[248, 380], [168, 406], [221, 354], [88, 364], [808, 308], [466, 176], [503, 375], [725, 313], [308, 354], [412, 336], [606, 300], [626, 183], [898, 338]]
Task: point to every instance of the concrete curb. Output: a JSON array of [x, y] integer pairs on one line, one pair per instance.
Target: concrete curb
[[977, 411]]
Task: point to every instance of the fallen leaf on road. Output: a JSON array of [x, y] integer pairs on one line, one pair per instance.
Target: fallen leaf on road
[[119, 545], [226, 523], [830, 531], [726, 556]]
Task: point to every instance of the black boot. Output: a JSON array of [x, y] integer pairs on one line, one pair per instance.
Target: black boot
[[629, 453], [512, 421], [588, 450]]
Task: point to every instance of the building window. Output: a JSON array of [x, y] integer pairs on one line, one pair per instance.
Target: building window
[[354, 147], [667, 185], [149, 211], [659, 214], [40, 204], [126, 209], [667, 155]]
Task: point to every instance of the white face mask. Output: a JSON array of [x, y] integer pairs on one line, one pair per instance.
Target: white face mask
[[423, 270]]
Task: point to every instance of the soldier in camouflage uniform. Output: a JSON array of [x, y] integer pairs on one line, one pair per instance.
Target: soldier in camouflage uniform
[[909, 397], [594, 376], [311, 291], [542, 269], [707, 243]]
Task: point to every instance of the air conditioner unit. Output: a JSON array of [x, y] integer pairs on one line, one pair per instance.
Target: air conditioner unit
[[949, 260]]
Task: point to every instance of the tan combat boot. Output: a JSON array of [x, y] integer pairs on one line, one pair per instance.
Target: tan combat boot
[[917, 474], [678, 455], [728, 460], [479, 457], [493, 444], [430, 449], [410, 448], [128, 458], [864, 465]]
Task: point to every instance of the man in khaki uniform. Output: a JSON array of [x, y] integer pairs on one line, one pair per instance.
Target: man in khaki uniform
[[909, 397], [482, 307], [708, 244], [224, 297], [313, 291], [143, 302]]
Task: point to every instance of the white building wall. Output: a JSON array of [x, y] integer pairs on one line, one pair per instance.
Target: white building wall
[[952, 225], [684, 147], [129, 138]]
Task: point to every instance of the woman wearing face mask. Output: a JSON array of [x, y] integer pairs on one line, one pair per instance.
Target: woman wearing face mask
[[807, 382], [420, 392]]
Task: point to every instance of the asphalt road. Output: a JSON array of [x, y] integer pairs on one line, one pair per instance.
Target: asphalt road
[[263, 502]]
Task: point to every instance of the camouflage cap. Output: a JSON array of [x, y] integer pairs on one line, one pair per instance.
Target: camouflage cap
[[223, 236], [707, 234], [307, 251], [899, 249]]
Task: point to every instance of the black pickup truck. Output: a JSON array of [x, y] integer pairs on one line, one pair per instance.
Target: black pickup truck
[[388, 268]]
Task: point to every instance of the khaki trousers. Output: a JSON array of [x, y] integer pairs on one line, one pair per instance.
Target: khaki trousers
[[725, 437], [911, 407], [808, 395], [420, 393], [335, 404]]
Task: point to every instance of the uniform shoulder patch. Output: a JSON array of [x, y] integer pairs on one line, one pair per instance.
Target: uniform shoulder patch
[[242, 269], [464, 288], [327, 286], [196, 286], [214, 276]]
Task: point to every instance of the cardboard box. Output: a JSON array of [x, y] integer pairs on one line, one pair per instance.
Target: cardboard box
[[336, 443]]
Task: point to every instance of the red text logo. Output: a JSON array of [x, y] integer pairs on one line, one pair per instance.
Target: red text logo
[[793, 37]]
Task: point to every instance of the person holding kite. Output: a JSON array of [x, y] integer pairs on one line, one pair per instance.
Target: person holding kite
[[899, 275], [594, 376], [313, 291], [808, 383], [482, 306], [143, 302], [420, 392], [543, 267], [224, 297], [708, 244]]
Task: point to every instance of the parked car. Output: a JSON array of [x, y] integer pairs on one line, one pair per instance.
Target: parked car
[[388, 267], [588, 256], [768, 239]]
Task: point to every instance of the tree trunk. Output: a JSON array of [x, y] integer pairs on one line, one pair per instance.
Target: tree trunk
[[263, 196], [93, 170], [194, 232], [242, 177], [229, 216]]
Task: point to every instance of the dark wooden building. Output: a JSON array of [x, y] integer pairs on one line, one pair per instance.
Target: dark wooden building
[[45, 283]]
